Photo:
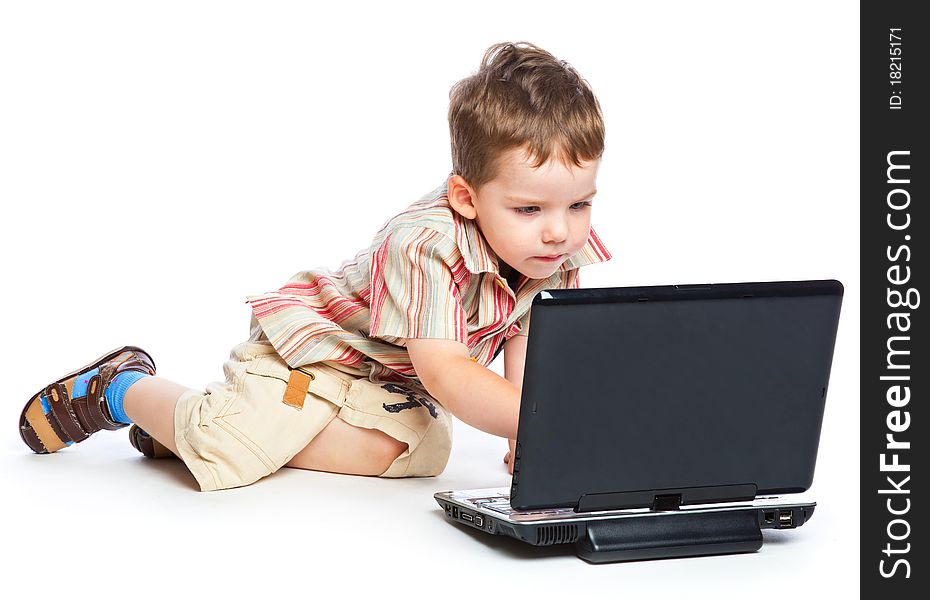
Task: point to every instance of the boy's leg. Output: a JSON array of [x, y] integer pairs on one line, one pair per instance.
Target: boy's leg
[[338, 448], [150, 403], [381, 429], [344, 448]]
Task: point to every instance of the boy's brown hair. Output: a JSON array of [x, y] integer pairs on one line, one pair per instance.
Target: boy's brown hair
[[522, 96]]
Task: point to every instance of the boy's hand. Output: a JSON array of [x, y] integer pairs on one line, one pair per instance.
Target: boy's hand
[[514, 361], [508, 458]]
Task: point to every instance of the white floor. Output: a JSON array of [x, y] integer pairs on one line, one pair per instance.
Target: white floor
[[99, 520]]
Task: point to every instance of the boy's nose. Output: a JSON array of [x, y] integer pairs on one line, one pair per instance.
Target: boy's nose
[[555, 231]]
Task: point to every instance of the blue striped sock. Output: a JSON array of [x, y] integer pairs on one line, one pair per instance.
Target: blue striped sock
[[114, 392], [117, 389]]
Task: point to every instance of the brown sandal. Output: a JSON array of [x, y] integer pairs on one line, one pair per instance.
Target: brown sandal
[[146, 444], [52, 419]]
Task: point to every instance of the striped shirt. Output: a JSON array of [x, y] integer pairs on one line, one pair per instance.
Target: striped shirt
[[429, 273]]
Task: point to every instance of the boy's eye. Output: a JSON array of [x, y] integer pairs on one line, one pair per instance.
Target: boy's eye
[[526, 210]]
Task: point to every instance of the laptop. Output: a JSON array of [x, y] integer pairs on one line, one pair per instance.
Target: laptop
[[665, 421]]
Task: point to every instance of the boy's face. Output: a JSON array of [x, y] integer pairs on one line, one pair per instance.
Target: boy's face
[[530, 215]]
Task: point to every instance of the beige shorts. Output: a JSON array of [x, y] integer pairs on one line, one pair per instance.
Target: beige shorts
[[249, 426]]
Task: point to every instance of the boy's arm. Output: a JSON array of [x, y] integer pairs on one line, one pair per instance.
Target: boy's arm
[[471, 392], [514, 362]]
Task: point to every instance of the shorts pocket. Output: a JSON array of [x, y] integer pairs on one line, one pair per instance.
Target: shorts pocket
[[257, 417], [322, 384]]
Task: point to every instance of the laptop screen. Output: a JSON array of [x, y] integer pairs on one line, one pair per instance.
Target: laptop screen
[[670, 387]]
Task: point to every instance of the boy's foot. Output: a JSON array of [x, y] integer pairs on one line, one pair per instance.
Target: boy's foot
[[146, 444], [52, 419]]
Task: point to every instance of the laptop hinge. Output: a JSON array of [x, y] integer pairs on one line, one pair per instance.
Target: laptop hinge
[[664, 502], [668, 499]]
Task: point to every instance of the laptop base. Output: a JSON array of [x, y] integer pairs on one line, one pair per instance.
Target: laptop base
[[670, 535], [630, 534]]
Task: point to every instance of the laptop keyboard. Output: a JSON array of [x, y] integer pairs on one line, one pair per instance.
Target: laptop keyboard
[[497, 504], [497, 500], [501, 504]]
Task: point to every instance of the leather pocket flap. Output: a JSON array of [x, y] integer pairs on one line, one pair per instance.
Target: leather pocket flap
[[317, 381]]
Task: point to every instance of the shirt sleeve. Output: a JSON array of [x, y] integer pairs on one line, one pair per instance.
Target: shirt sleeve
[[413, 292]]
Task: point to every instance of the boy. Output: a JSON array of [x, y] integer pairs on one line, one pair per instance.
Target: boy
[[397, 338]]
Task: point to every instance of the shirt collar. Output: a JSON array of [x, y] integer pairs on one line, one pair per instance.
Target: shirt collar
[[594, 251], [479, 257]]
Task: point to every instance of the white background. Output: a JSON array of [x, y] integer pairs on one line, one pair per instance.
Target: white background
[[158, 163]]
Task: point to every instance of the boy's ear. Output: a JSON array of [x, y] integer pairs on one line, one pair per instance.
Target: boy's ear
[[462, 197]]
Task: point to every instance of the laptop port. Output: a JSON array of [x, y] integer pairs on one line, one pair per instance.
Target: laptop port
[[467, 517], [479, 520], [769, 517], [455, 512], [785, 519]]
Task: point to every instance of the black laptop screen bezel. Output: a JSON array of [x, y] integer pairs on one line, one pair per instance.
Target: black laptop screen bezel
[[799, 319]]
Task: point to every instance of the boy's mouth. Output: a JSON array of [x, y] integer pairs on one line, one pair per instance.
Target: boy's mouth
[[550, 258]]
